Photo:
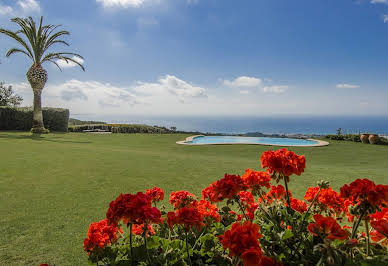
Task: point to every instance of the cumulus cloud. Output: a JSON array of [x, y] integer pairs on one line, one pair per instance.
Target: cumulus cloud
[[379, 2], [121, 3], [385, 18], [173, 86], [63, 64], [29, 5], [244, 92], [5, 10], [275, 89], [20, 8], [347, 86], [97, 97], [243, 81]]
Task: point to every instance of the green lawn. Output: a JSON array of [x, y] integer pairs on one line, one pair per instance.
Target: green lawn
[[52, 187]]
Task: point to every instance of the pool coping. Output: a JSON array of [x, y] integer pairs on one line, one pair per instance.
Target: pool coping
[[320, 143]]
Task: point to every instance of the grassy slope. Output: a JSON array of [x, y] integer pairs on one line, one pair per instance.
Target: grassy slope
[[52, 187]]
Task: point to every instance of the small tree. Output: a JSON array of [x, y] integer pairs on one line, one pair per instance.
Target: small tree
[[8, 96], [35, 42]]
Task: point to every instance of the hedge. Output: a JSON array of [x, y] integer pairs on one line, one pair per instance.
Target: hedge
[[20, 118], [121, 128]]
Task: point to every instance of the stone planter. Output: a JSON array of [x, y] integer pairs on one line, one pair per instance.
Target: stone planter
[[365, 138], [373, 139]]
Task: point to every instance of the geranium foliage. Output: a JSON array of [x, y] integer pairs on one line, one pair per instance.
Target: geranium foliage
[[247, 220]]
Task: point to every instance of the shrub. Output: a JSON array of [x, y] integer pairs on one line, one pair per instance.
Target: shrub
[[8, 96], [347, 137], [122, 128], [13, 118], [273, 229]]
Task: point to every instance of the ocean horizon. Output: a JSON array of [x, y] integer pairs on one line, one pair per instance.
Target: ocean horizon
[[319, 125]]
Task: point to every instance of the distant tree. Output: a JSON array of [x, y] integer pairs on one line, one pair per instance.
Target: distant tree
[[35, 42], [173, 128], [8, 96]]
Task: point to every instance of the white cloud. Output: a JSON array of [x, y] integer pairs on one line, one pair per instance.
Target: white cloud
[[29, 5], [243, 81], [5, 10], [63, 64], [171, 85], [20, 8], [385, 18], [379, 2], [97, 97], [121, 3], [244, 92], [347, 86], [275, 89]]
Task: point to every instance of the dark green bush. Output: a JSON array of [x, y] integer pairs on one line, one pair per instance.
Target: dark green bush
[[14, 118], [121, 128]]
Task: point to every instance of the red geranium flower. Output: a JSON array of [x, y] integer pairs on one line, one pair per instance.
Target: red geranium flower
[[268, 261], [180, 199], [327, 227], [134, 209], [362, 190], [298, 205], [252, 257], [326, 198], [100, 234], [241, 238], [380, 226], [138, 229], [383, 214], [156, 194], [225, 188], [256, 180], [283, 162], [377, 237], [276, 193], [209, 210], [186, 216], [248, 203]]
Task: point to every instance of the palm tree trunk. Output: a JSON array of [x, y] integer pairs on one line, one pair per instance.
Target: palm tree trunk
[[37, 77], [37, 120]]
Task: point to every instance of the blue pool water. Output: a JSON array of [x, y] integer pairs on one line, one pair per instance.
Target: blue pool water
[[251, 140]]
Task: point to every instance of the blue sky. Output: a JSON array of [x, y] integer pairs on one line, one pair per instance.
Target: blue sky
[[212, 57]]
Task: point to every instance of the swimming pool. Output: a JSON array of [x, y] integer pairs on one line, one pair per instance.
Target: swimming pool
[[212, 140]]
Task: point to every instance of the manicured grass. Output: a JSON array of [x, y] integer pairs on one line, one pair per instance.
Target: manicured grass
[[52, 187]]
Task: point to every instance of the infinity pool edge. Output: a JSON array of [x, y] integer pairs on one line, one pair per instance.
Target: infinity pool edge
[[320, 143]]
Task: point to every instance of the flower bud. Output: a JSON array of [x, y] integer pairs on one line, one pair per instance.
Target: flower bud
[[323, 184]]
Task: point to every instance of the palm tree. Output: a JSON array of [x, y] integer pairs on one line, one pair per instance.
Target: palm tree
[[35, 43]]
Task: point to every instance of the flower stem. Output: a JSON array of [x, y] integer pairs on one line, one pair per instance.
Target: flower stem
[[304, 218], [354, 231], [242, 209], [145, 244], [311, 205], [187, 249], [287, 195], [367, 237], [130, 243]]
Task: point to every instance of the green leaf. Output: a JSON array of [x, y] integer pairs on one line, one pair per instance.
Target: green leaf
[[287, 234], [153, 242]]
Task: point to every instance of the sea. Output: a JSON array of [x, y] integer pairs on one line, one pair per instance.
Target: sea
[[287, 125]]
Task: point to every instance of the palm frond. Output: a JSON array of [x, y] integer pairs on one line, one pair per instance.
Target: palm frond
[[17, 38], [55, 63], [38, 39], [64, 56], [17, 50]]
